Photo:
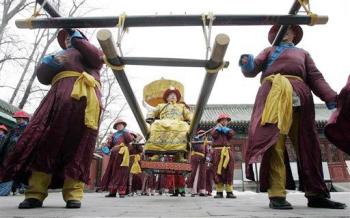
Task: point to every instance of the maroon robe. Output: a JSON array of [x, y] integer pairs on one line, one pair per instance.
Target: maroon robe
[[296, 62], [209, 178], [136, 180], [56, 140], [337, 129], [198, 163], [116, 177], [150, 182], [161, 183], [220, 140], [209, 172]]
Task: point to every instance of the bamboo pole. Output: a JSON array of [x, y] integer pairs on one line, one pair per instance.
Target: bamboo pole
[[216, 59], [106, 41], [166, 20]]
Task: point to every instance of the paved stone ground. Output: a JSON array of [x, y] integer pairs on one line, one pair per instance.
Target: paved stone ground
[[248, 204]]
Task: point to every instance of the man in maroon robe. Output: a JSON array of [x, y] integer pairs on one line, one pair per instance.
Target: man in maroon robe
[[288, 76], [337, 129], [115, 178], [223, 157], [56, 149], [197, 180], [135, 180]]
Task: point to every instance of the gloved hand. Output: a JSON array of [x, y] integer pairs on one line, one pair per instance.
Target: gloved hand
[[243, 60], [225, 129], [246, 62], [47, 59], [51, 61], [75, 34], [331, 105], [218, 128], [105, 150]]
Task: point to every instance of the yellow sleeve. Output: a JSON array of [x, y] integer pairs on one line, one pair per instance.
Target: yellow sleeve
[[187, 114], [153, 114]]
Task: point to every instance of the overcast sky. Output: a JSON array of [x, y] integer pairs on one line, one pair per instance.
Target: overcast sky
[[327, 44]]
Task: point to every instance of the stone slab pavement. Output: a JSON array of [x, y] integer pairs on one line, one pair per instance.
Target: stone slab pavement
[[248, 204]]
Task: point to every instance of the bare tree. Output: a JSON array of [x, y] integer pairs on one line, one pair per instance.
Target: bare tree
[[39, 36], [9, 41], [27, 92], [10, 9]]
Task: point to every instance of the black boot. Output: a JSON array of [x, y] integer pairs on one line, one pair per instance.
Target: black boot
[[320, 202], [219, 195], [280, 203], [30, 203], [230, 195], [73, 204], [110, 195], [175, 194], [182, 194]]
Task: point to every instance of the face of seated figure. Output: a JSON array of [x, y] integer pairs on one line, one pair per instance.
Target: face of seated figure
[[172, 97]]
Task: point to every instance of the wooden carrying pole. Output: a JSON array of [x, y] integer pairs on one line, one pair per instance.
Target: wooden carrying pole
[[49, 8], [146, 61], [169, 62], [106, 41], [215, 61], [167, 20]]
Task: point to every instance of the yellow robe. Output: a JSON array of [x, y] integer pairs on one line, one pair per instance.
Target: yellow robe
[[169, 131]]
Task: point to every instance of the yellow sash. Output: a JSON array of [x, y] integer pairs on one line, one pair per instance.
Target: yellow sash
[[224, 158], [136, 168], [84, 86], [126, 157], [279, 103], [197, 153]]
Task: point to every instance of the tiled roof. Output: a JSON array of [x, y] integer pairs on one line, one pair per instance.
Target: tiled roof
[[8, 120], [6, 111], [241, 113], [7, 108]]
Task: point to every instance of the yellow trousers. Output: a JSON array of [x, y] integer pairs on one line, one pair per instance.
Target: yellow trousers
[[220, 187], [39, 182], [277, 176]]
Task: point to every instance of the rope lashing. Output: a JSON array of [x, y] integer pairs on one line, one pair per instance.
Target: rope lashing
[[121, 31], [35, 14], [306, 5], [207, 30], [215, 70], [112, 66]]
